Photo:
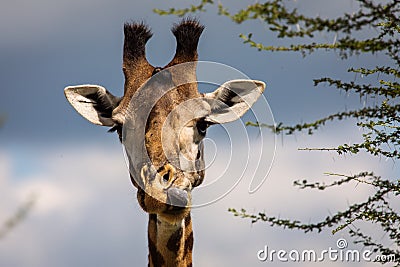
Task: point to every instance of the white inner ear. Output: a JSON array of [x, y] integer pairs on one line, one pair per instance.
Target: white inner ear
[[77, 97], [230, 101]]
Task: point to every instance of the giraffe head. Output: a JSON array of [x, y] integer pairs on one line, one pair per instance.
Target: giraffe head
[[162, 118]]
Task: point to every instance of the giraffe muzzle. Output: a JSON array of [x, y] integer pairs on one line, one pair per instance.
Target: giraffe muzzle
[[177, 198]]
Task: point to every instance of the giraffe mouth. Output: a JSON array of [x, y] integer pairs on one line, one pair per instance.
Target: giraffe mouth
[[177, 198], [177, 201]]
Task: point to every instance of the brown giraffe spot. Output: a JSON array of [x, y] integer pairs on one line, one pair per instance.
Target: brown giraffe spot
[[175, 240], [155, 255], [188, 220], [189, 243]]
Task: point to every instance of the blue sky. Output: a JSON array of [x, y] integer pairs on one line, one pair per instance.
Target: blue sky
[[86, 213], [47, 46]]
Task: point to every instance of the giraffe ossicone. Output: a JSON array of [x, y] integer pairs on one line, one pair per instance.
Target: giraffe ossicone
[[161, 121]]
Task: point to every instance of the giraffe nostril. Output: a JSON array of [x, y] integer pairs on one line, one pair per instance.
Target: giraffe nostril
[[177, 197], [166, 177], [167, 173]]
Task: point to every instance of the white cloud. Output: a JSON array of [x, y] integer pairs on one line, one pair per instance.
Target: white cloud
[[78, 194], [235, 241]]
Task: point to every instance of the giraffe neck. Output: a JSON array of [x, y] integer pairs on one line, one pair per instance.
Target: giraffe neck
[[170, 244]]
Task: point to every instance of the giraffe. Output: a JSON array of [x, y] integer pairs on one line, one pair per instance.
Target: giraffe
[[161, 120]]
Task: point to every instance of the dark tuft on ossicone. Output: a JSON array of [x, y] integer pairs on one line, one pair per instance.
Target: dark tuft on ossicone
[[187, 33], [136, 37]]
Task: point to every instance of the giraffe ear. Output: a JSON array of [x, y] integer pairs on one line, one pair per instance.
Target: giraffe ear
[[93, 102], [230, 101]]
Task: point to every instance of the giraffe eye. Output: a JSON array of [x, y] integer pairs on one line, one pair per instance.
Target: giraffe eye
[[202, 127]]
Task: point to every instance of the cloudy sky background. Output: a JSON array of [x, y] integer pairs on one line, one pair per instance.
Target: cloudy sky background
[[86, 213]]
